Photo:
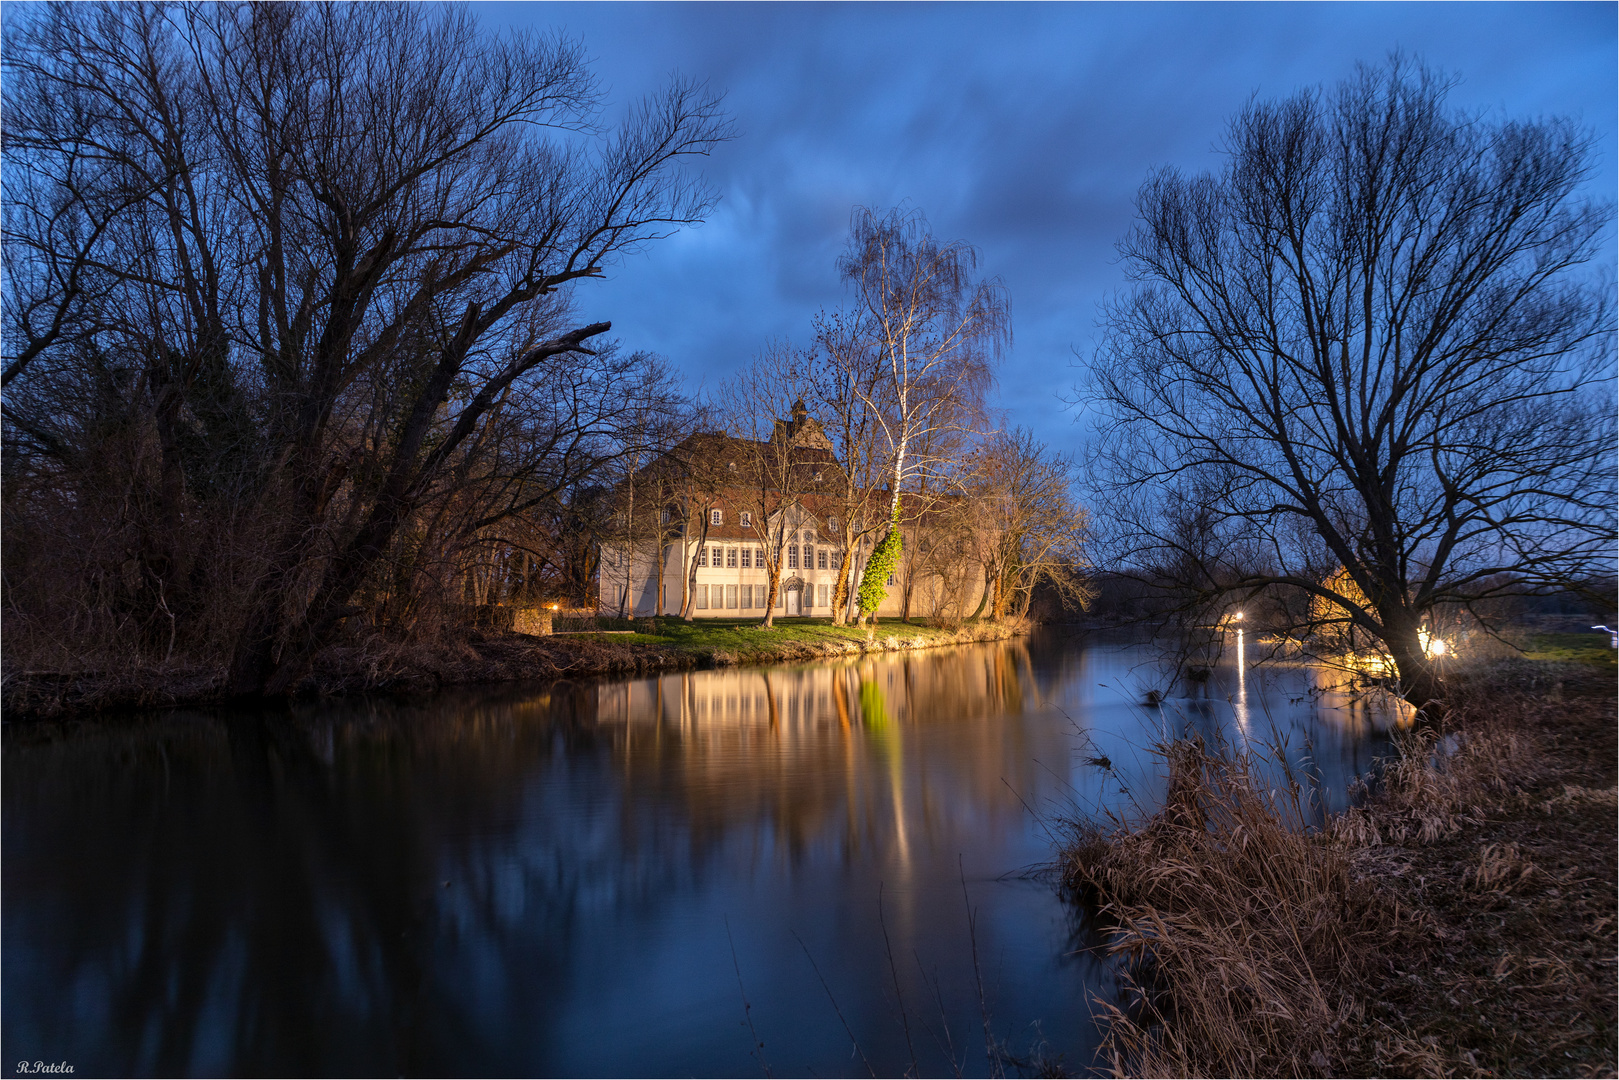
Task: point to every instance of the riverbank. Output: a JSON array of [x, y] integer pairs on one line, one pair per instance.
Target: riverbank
[[656, 645], [1460, 921]]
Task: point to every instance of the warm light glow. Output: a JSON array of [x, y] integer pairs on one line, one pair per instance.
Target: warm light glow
[[1431, 646], [1239, 616]]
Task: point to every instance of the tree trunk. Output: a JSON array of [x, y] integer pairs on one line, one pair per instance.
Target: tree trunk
[[840, 589], [690, 598], [983, 597], [663, 554], [773, 590], [1420, 683]]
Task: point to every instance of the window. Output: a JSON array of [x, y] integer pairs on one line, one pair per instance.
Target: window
[[747, 596], [820, 559], [759, 559], [747, 558], [792, 556], [716, 517], [730, 596], [890, 579], [702, 555], [702, 596], [817, 474], [809, 557], [832, 525], [747, 519], [730, 560], [732, 466], [823, 597], [837, 560]]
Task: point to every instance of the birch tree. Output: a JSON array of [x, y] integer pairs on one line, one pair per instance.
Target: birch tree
[[937, 329]]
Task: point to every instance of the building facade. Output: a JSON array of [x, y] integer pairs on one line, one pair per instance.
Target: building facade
[[724, 506]]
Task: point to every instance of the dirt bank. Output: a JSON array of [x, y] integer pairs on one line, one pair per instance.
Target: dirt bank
[[664, 645]]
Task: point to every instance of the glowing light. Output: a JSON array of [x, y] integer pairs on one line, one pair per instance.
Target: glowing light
[[1431, 646], [1238, 616]]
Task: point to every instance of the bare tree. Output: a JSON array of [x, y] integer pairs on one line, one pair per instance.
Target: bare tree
[[937, 330], [1028, 524], [350, 235], [844, 373], [1366, 343], [778, 462]]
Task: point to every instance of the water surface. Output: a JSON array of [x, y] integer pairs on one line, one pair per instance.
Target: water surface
[[613, 878]]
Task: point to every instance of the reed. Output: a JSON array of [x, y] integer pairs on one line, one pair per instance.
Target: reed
[[1411, 935], [1242, 930]]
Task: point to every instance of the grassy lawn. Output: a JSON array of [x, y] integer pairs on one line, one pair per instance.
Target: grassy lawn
[[743, 637], [1592, 647]]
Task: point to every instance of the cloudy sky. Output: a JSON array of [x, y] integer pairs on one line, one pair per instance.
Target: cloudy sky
[[1024, 129]]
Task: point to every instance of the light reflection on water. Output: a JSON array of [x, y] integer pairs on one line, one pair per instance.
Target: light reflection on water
[[551, 882]]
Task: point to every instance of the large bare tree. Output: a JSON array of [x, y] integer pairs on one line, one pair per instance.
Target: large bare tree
[[345, 235], [936, 329], [1370, 341]]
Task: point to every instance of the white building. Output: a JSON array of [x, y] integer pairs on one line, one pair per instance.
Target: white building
[[707, 495]]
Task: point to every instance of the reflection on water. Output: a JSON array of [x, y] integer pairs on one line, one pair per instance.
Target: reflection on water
[[553, 882]]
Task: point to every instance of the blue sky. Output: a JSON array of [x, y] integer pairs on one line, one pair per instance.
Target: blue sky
[[1024, 129]]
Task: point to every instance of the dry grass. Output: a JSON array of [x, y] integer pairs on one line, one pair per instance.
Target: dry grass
[[1459, 921], [1243, 930]]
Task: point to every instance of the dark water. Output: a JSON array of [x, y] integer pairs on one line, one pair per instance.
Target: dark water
[[570, 880]]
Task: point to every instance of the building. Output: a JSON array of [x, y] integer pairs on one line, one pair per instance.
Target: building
[[716, 512]]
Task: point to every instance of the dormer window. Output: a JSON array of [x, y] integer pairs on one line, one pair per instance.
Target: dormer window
[[747, 519], [716, 517], [832, 525]]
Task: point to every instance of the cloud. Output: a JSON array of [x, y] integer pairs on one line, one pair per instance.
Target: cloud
[[1023, 129]]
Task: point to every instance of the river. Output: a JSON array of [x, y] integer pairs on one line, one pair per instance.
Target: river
[[619, 878]]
